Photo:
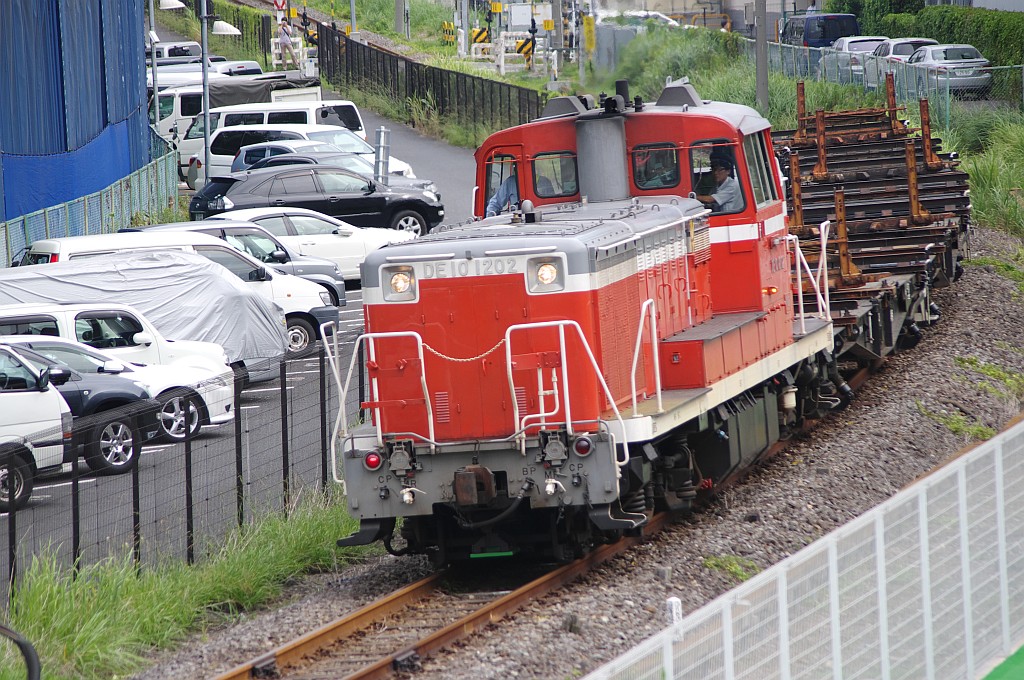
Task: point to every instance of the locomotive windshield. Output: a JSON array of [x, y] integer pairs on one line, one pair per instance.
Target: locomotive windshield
[[655, 166], [554, 174], [758, 165]]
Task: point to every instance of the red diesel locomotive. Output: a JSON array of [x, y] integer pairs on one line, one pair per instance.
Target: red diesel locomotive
[[624, 339]]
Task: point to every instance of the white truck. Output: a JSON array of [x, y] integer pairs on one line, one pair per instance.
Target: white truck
[[35, 426]]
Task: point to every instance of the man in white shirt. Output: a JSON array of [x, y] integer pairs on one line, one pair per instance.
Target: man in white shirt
[[727, 196]]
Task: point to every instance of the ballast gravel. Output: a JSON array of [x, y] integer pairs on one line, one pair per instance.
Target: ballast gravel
[[890, 436]]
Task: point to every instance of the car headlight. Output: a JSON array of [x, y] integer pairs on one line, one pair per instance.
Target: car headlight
[[430, 196], [545, 275], [337, 270], [325, 297], [399, 283]]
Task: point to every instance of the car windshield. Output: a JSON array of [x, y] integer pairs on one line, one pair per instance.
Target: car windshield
[[195, 131], [908, 48], [77, 358], [344, 139], [864, 45], [956, 54]]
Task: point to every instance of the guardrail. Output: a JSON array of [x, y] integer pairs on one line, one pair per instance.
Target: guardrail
[[146, 191], [929, 584]]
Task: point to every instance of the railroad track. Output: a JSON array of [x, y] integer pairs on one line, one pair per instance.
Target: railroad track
[[398, 631]]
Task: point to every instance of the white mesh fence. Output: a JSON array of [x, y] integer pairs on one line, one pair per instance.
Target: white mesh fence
[[930, 584]]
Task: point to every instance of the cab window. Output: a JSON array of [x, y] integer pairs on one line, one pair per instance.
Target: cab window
[[286, 117], [191, 105], [104, 330], [655, 166], [723, 187], [759, 168], [342, 115], [554, 174], [499, 168], [14, 375]]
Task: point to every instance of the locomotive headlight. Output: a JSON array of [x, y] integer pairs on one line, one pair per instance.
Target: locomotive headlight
[[545, 275], [399, 283]]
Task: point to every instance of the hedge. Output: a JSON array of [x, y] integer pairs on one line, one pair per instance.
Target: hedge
[[995, 33]]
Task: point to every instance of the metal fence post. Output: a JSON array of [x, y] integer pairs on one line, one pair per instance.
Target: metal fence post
[[284, 434], [190, 528], [239, 475], [136, 518], [12, 527], [323, 415], [76, 515]]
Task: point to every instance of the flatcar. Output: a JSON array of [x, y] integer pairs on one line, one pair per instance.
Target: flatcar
[[625, 338]]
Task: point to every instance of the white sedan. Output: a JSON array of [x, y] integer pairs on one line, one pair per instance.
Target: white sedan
[[189, 396], [319, 235]]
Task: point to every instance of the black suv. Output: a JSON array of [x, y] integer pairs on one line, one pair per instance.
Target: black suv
[[332, 191]]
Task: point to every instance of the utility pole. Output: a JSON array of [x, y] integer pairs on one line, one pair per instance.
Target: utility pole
[[400, 17], [761, 53]]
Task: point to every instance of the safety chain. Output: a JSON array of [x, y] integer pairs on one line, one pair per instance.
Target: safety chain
[[477, 357]]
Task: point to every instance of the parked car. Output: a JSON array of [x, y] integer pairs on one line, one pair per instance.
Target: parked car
[[35, 426], [306, 305], [887, 54], [844, 61], [332, 191], [157, 307], [226, 142], [254, 153], [187, 397], [342, 159], [314, 233], [113, 416], [817, 29], [263, 246], [960, 68]]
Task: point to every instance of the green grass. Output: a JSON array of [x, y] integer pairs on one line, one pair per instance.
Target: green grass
[[739, 568], [1012, 269], [958, 424], [110, 620]]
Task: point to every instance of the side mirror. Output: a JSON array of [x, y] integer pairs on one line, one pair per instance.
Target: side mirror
[[142, 338], [112, 367], [258, 274], [370, 188], [279, 256], [55, 375]]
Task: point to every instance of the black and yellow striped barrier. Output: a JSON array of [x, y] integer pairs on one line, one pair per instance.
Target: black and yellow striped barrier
[[448, 32], [525, 48], [479, 35]]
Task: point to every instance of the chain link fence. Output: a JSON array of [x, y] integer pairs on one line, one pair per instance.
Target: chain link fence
[[147, 191], [930, 584], [182, 499], [991, 87]]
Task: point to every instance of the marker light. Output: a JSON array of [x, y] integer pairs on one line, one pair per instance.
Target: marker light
[[373, 461], [583, 447], [547, 273]]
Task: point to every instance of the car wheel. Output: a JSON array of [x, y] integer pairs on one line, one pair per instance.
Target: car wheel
[[114, 446], [179, 416], [17, 477], [300, 334], [409, 220]]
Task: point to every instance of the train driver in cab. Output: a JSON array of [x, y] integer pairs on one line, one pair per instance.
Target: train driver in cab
[[727, 196], [506, 196]]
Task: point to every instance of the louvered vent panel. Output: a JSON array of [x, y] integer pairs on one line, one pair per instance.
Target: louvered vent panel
[[701, 243], [521, 400], [442, 407]]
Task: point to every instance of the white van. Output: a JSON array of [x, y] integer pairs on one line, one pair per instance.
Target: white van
[[35, 426], [306, 305], [226, 142], [180, 103], [337, 112]]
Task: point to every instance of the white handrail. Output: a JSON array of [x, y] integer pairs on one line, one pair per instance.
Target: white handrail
[[561, 325], [645, 309], [331, 350], [801, 264]]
